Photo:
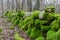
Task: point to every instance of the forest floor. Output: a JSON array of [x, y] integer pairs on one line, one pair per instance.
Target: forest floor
[[8, 33]]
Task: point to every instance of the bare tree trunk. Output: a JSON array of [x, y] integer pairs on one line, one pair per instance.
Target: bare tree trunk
[[23, 1], [2, 6], [8, 5], [12, 4], [16, 5], [38, 4], [29, 3], [24, 5], [41, 5]]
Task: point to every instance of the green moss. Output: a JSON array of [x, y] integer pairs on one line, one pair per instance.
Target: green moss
[[34, 26], [17, 37], [16, 22], [58, 34], [26, 23], [55, 25], [40, 38], [49, 17], [37, 24], [45, 28], [1, 29], [35, 33], [51, 35], [20, 13], [43, 22], [50, 9], [35, 14], [12, 26], [28, 32], [55, 15], [27, 19]]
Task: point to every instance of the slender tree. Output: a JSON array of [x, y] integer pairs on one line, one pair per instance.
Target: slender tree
[[12, 4], [16, 5], [8, 5], [37, 5], [42, 5], [2, 6], [29, 3], [22, 6]]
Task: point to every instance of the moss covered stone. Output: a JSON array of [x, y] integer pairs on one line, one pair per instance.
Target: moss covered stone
[[51, 35]]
